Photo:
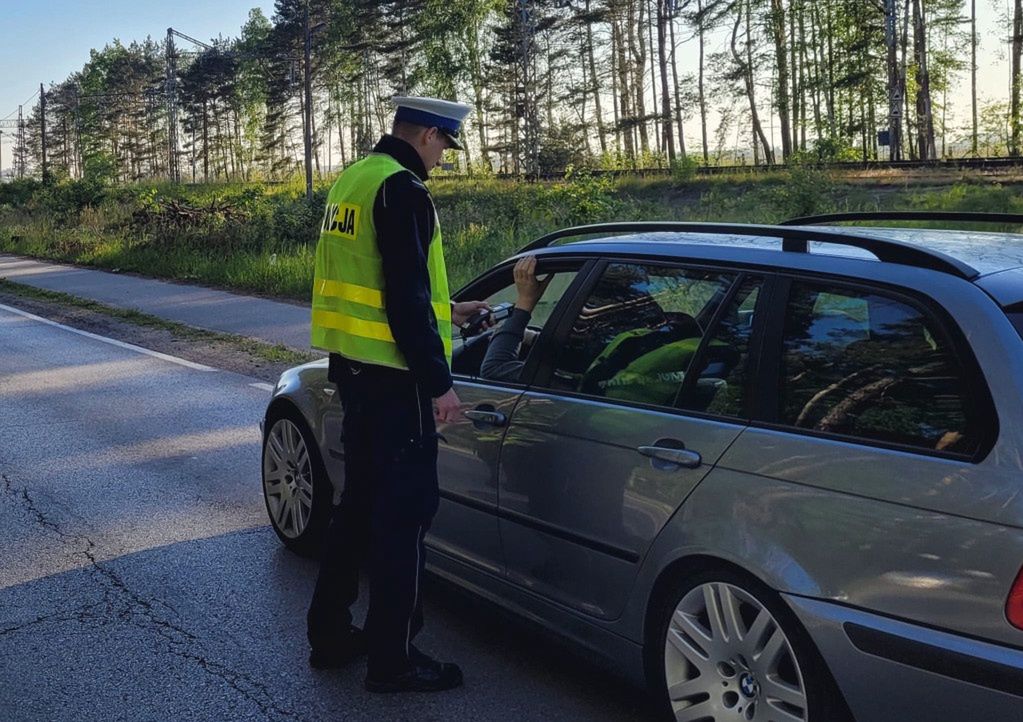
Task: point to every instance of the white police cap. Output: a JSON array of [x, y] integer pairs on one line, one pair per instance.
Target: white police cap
[[445, 115]]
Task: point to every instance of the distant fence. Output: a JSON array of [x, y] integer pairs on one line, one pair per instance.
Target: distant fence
[[994, 163]]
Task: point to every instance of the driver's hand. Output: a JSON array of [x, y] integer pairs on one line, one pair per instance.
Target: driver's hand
[[529, 288]]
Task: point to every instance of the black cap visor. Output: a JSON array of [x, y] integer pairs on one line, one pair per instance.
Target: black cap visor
[[453, 141]]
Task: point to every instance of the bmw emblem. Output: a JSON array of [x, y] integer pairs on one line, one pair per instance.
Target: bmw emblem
[[748, 685]]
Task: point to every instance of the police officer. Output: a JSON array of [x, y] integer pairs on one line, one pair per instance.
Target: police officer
[[381, 308]]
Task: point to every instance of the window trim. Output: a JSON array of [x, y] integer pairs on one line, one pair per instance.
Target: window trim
[[979, 407]]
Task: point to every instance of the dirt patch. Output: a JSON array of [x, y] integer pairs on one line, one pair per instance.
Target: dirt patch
[[238, 354]]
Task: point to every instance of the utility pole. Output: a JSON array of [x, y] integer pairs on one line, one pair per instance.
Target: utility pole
[[528, 77], [172, 110], [894, 82], [42, 127], [973, 72], [1, 156], [308, 115], [19, 148], [172, 103]]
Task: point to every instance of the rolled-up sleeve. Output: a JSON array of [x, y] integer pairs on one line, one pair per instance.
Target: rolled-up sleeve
[[404, 218]]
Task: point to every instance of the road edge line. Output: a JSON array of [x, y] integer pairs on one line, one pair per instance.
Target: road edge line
[[112, 341]]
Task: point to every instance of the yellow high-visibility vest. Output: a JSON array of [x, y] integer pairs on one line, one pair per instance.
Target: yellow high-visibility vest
[[348, 315]]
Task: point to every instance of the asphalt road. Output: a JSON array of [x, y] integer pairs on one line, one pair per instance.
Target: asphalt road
[[139, 579], [273, 321]]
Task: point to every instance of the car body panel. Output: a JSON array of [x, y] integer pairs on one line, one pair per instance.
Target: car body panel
[[466, 525], [1006, 286], [934, 568], [885, 683], [580, 505]]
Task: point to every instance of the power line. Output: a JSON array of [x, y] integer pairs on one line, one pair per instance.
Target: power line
[[25, 103]]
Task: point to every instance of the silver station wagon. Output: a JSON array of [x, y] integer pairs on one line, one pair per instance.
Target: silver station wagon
[[773, 472]]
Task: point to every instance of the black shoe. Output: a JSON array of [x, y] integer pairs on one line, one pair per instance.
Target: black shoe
[[340, 655], [431, 677]]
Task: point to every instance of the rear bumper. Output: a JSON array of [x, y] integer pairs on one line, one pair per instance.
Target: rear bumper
[[893, 670]]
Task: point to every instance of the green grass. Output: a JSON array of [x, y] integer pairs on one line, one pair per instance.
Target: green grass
[[275, 353], [264, 242]]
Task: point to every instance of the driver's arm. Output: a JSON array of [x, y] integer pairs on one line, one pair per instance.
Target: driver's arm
[[501, 362]]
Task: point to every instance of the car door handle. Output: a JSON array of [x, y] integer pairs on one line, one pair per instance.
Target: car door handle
[[483, 416], [678, 457]]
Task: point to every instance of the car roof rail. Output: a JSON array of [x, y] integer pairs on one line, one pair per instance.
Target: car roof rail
[[794, 240], [944, 216]]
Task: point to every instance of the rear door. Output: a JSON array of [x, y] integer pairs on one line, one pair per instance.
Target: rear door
[[644, 390]]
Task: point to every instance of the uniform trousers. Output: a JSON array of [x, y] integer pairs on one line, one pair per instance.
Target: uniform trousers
[[390, 497]]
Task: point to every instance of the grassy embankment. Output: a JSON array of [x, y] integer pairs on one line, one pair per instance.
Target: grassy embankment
[[261, 239]]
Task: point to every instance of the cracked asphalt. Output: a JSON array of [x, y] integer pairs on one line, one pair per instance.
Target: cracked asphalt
[[139, 579]]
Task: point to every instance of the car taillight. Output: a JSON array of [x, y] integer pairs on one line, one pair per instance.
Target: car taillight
[[1014, 604]]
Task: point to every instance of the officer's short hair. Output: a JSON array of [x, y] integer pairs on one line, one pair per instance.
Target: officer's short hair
[[403, 127]]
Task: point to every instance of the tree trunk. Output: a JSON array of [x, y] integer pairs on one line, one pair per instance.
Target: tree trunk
[[678, 91], [595, 82], [778, 31], [973, 73], [624, 93], [653, 73], [925, 120], [794, 74], [829, 90], [637, 43], [818, 62], [747, 77], [903, 74], [702, 96], [1017, 47], [662, 22], [205, 146]]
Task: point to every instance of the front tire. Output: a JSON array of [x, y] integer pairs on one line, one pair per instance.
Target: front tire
[[727, 648], [296, 489]]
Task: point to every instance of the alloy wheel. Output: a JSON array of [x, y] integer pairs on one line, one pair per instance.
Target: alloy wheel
[[287, 478], [727, 658]]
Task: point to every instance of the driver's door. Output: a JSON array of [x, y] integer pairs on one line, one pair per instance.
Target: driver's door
[[466, 526]]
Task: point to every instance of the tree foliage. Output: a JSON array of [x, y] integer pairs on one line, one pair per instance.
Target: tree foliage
[[554, 83]]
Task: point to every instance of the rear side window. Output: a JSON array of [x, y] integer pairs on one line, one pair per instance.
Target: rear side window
[[865, 365]]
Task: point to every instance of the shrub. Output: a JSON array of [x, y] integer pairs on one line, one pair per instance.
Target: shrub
[[684, 168]]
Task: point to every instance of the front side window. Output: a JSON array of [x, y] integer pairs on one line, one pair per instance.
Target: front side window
[[468, 354], [862, 364], [638, 331]]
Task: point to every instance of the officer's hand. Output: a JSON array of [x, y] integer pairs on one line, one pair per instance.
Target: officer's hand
[[447, 409], [461, 311]]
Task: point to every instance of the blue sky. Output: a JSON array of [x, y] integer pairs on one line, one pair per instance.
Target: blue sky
[[46, 40]]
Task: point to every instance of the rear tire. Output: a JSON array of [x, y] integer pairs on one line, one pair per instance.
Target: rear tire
[[726, 647], [296, 489]]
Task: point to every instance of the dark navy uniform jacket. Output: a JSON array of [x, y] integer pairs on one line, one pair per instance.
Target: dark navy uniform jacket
[[405, 218]]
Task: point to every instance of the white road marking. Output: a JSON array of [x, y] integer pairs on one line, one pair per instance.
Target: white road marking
[[263, 386], [111, 341]]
